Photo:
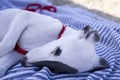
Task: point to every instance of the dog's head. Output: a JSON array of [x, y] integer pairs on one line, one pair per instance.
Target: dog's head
[[69, 54]]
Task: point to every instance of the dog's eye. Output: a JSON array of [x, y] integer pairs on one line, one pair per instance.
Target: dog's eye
[[57, 51]]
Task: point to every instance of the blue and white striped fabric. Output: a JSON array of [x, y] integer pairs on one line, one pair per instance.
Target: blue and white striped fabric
[[77, 18]]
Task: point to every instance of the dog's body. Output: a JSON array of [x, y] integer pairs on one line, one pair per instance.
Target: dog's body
[[27, 29], [32, 24]]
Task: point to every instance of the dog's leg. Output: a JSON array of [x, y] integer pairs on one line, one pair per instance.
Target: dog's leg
[[18, 25], [9, 60]]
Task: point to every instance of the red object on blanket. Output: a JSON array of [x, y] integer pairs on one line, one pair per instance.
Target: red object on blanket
[[24, 52], [34, 7], [50, 8]]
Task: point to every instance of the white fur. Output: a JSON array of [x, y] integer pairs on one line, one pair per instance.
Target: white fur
[[31, 31], [77, 52]]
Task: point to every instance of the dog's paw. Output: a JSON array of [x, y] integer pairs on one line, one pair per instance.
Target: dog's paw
[[4, 65], [3, 70], [4, 49], [2, 53]]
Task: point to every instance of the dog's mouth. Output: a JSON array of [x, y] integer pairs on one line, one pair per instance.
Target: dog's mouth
[[25, 63], [54, 66]]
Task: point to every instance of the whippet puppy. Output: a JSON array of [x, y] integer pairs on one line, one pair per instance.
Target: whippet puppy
[[37, 35]]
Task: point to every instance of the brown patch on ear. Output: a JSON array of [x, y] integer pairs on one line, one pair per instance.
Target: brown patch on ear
[[88, 35], [86, 29], [96, 36]]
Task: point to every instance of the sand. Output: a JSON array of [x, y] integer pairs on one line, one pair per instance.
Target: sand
[[109, 9]]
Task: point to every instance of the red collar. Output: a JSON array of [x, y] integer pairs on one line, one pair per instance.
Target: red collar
[[20, 50], [24, 52], [61, 32]]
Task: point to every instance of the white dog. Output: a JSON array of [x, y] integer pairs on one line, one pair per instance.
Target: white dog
[[32, 31]]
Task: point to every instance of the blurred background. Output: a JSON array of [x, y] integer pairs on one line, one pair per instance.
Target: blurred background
[[109, 9]]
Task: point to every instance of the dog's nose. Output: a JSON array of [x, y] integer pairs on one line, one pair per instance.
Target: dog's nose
[[23, 61], [103, 63]]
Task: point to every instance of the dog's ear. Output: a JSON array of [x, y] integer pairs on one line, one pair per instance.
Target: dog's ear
[[86, 29], [90, 34], [93, 36]]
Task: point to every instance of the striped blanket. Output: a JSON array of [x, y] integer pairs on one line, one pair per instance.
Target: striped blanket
[[77, 18]]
